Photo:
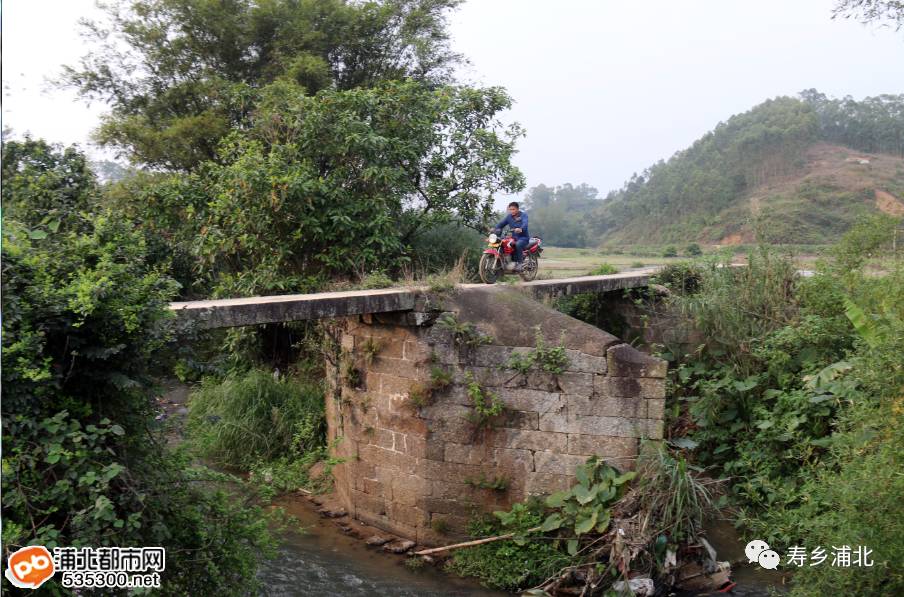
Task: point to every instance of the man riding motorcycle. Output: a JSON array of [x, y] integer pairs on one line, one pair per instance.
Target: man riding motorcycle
[[516, 220]]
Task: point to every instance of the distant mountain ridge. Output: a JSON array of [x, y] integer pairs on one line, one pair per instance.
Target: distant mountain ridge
[[790, 170]]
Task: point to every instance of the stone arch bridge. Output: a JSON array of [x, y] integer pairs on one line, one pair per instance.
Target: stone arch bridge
[[401, 394]]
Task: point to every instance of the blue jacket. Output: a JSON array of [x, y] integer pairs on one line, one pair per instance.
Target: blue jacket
[[519, 222]]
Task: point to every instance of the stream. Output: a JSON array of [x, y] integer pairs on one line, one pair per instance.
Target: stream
[[322, 560]]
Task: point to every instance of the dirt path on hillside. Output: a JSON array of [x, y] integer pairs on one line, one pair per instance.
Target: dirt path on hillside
[[888, 203]]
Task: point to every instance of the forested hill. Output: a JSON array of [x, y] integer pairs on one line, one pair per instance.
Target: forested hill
[[791, 170]]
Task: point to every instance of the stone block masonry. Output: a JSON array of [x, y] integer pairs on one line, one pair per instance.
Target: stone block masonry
[[416, 463]]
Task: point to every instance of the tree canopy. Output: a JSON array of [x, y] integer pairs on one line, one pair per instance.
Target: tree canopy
[[179, 75]]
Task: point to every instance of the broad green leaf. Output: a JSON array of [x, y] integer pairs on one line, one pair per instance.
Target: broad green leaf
[[37, 234], [584, 525], [552, 522], [585, 495], [747, 384], [866, 326], [572, 547], [603, 523], [558, 498]]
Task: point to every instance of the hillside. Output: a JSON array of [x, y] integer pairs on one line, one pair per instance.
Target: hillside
[[790, 170]]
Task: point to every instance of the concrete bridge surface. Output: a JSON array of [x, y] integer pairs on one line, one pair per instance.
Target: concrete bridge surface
[[407, 370], [222, 313]]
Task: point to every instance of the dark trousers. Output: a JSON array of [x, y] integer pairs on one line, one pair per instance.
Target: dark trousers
[[520, 245]]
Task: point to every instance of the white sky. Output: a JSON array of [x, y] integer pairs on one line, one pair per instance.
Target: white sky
[[603, 87]]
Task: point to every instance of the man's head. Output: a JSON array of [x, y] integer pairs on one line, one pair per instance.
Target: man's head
[[513, 208]]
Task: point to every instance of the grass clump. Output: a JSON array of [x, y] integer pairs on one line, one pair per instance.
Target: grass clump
[[375, 280], [440, 526], [253, 417], [604, 269], [675, 500], [551, 359]]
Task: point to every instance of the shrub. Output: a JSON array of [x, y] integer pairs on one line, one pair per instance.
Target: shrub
[[693, 250], [670, 252], [511, 565], [84, 317], [798, 401]]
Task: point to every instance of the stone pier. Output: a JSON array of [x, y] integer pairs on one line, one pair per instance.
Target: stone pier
[[416, 459]]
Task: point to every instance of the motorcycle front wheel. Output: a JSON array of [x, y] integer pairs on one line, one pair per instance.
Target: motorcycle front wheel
[[531, 267], [490, 268]]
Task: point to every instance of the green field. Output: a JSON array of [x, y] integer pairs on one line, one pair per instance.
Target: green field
[[558, 262], [561, 262]]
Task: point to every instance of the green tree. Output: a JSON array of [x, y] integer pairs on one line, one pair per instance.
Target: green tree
[[84, 318], [45, 187], [179, 75], [338, 183]]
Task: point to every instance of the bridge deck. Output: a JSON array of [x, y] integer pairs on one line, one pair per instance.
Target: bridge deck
[[223, 313]]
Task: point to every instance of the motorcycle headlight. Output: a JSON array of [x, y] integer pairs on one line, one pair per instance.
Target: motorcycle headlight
[[493, 238]]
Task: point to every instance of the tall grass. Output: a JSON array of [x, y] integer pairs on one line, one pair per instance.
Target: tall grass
[[735, 306], [674, 500], [252, 417]]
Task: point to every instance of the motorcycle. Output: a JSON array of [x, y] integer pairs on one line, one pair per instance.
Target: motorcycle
[[499, 259]]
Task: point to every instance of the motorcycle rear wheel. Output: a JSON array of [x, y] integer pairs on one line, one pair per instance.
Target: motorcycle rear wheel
[[531, 268], [490, 268]]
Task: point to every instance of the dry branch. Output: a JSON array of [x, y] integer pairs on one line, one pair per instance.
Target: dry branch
[[427, 552]]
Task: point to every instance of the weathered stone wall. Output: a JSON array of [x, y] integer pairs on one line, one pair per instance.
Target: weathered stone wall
[[644, 320], [416, 470]]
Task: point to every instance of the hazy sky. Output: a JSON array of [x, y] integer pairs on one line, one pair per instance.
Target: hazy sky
[[603, 87]]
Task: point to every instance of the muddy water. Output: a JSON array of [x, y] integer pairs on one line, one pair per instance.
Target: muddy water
[[752, 581], [323, 561]]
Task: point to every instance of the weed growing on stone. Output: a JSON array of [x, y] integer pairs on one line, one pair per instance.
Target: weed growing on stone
[[370, 349], [464, 334], [351, 375], [377, 279], [487, 405], [421, 394], [551, 359]]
